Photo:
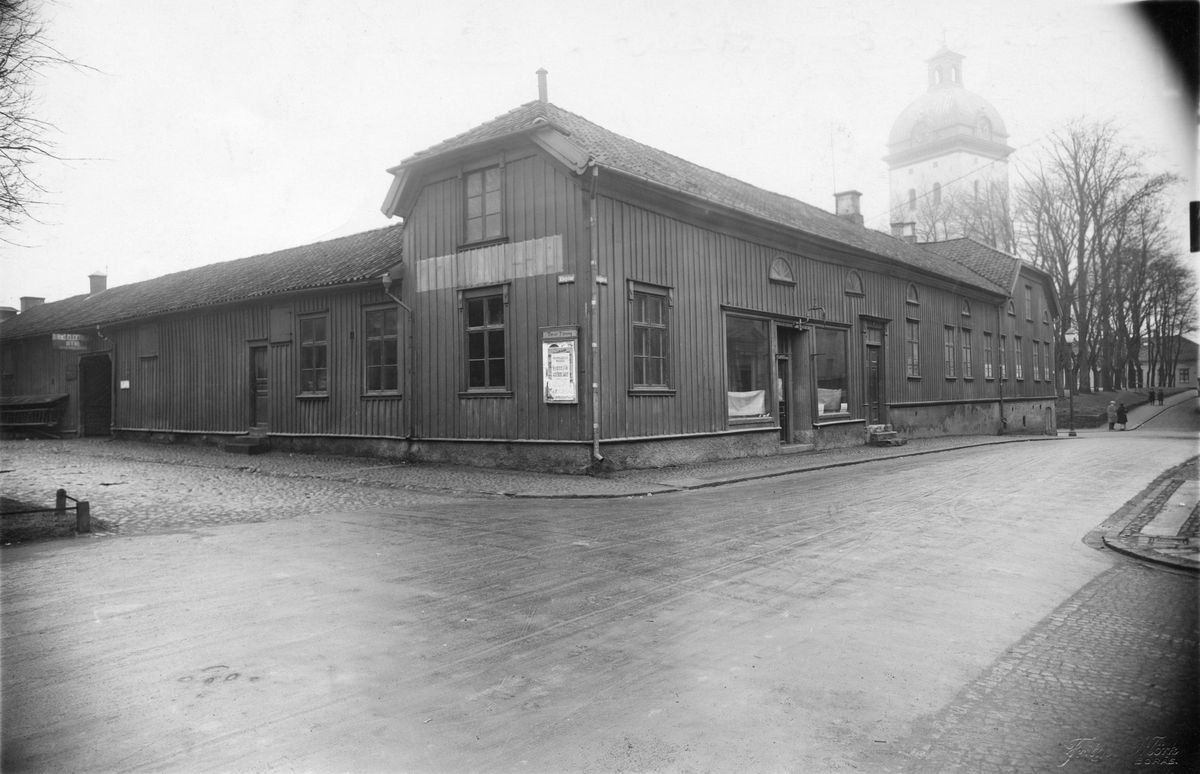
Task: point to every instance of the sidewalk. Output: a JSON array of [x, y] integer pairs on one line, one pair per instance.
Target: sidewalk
[[1162, 523], [1139, 415]]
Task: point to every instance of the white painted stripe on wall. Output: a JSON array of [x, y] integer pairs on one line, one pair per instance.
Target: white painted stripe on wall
[[490, 265]]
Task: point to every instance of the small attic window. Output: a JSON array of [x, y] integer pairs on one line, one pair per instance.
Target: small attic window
[[1012, 308], [966, 308], [913, 298], [1046, 317], [854, 284], [781, 271]]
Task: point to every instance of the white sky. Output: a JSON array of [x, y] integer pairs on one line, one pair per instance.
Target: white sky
[[219, 130]]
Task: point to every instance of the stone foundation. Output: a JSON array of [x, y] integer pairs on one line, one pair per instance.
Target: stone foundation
[[1032, 417]]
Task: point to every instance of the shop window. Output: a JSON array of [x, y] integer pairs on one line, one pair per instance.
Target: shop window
[[649, 336], [382, 356], [314, 355], [830, 363], [482, 205], [487, 339], [747, 347]]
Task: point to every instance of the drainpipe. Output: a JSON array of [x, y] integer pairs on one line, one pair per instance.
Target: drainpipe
[[1000, 379], [593, 314], [386, 278]]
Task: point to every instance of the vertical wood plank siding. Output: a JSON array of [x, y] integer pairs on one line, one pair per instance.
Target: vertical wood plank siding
[[540, 201], [200, 379]]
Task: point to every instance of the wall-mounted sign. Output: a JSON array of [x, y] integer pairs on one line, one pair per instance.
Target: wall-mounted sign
[[560, 364], [73, 341]]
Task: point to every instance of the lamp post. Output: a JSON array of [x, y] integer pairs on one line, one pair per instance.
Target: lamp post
[[1071, 391]]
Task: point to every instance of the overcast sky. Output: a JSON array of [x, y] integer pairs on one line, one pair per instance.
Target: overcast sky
[[210, 131]]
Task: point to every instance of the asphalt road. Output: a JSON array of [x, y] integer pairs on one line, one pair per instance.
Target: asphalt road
[[881, 617]]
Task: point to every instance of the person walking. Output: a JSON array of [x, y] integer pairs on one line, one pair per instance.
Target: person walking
[[1122, 416], [1112, 414]]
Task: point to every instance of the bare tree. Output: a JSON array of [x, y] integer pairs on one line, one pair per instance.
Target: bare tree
[[24, 52]]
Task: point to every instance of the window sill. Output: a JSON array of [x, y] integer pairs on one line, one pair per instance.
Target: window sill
[[913, 378], [381, 396], [652, 391], [952, 378], [485, 394], [968, 378], [840, 416], [313, 396], [761, 420], [843, 420], [482, 243]]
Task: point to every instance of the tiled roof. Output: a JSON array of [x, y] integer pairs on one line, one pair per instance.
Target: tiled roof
[[998, 266], [335, 262], [619, 153]]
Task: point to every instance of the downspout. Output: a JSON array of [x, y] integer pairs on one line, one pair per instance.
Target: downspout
[[1000, 376], [408, 370], [593, 313]]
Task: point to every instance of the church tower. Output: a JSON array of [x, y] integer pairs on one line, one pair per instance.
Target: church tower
[[947, 155]]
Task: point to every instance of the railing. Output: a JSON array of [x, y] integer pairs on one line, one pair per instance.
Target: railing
[[83, 510]]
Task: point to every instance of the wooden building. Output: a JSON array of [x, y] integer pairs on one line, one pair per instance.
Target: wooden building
[[561, 297]]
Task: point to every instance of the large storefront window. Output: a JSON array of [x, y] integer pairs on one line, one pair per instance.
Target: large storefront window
[[747, 344], [829, 359]]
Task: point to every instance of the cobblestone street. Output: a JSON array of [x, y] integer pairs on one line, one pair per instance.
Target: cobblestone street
[[896, 614]]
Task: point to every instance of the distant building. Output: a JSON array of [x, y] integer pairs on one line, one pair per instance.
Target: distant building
[[1175, 363], [947, 160]]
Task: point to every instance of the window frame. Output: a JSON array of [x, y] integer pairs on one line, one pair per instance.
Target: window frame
[[466, 297], [1018, 359], [769, 398], [367, 339], [1037, 359], [819, 414], [304, 346], [967, 354], [949, 351], [665, 295], [1029, 303], [1002, 357], [465, 198], [988, 351]]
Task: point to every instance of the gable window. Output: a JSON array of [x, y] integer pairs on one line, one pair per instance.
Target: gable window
[[314, 355], [966, 354], [1003, 357], [950, 354], [987, 355], [482, 205], [382, 357], [648, 334], [487, 340], [1019, 355]]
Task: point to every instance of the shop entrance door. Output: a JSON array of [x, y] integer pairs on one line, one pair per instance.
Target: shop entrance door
[[95, 395]]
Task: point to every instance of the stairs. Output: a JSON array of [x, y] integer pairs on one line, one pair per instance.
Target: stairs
[[254, 442], [883, 435]]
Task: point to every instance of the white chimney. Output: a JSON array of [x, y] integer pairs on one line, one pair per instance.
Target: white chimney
[[846, 205]]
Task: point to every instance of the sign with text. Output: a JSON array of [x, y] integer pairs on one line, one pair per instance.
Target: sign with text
[[560, 364], [73, 341]]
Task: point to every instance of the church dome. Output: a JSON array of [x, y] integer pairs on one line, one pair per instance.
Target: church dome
[[946, 109]]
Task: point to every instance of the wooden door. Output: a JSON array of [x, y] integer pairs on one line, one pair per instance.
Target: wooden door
[[873, 373], [260, 405], [95, 395], [784, 388]]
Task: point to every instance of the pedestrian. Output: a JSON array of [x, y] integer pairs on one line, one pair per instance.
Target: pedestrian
[[1122, 416], [1112, 414], [1159, 395]]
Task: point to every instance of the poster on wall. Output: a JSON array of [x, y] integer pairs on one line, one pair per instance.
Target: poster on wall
[[560, 352]]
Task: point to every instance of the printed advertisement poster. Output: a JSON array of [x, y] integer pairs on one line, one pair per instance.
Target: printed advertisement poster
[[558, 371]]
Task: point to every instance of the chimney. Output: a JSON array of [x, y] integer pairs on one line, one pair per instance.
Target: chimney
[[7, 313], [541, 74], [99, 282], [906, 230], [29, 302], [846, 206]]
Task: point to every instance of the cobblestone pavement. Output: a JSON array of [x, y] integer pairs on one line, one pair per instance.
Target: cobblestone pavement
[[1131, 530], [1106, 683]]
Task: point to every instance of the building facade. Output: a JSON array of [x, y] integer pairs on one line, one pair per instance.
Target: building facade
[[563, 298]]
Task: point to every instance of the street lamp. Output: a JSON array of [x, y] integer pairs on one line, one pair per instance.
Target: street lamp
[[1074, 344]]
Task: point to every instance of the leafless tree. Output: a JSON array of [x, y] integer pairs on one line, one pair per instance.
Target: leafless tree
[[24, 52]]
